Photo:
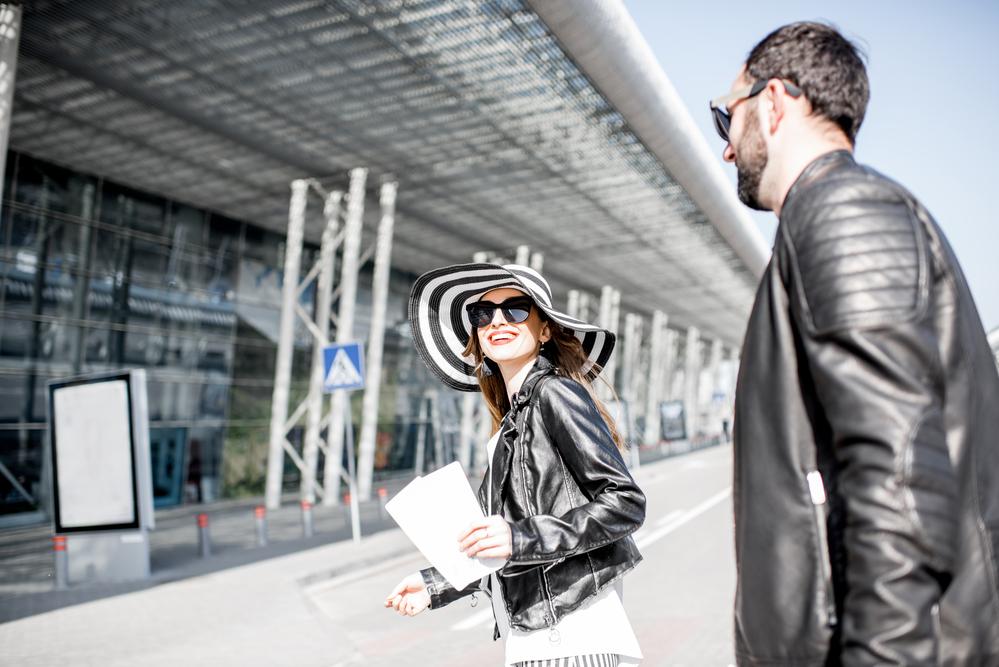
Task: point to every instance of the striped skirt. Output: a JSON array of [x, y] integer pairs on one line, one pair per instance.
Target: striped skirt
[[601, 660]]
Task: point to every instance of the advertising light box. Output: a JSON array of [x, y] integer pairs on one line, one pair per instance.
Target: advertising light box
[[94, 454]]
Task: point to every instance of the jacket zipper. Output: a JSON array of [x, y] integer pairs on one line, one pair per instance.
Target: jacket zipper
[[817, 491], [553, 634]]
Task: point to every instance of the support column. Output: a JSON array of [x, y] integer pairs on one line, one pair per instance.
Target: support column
[[572, 306], [692, 374], [339, 400], [629, 365], [286, 339], [584, 307], [324, 301], [610, 307], [714, 373], [671, 351], [10, 35], [523, 256], [654, 387], [376, 342]]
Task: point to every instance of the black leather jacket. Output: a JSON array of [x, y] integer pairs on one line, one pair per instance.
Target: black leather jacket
[[865, 360], [568, 497]]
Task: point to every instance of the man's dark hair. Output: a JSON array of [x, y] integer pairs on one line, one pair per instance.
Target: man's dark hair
[[827, 67]]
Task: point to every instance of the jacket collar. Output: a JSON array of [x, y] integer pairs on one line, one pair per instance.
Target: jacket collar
[[542, 367], [815, 170]]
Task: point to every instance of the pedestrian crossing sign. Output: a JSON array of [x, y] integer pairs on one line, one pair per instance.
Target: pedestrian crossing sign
[[343, 367]]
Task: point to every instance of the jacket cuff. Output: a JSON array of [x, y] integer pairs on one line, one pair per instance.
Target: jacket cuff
[[436, 586]]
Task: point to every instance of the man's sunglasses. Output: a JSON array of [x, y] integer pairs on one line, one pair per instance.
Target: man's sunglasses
[[515, 310], [721, 114]]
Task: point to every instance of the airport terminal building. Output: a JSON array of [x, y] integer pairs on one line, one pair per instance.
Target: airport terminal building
[[145, 205]]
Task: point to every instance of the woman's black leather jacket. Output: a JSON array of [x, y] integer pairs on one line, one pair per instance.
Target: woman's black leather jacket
[[568, 497]]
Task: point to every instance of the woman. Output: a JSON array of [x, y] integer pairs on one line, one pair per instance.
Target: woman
[[559, 502]]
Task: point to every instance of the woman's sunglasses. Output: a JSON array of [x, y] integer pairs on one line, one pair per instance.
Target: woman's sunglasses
[[515, 311]]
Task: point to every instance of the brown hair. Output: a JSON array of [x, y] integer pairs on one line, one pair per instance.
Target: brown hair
[[564, 350]]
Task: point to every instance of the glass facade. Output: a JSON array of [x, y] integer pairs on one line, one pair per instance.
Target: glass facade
[[95, 276]]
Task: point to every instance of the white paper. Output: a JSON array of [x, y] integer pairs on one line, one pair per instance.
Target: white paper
[[433, 511]]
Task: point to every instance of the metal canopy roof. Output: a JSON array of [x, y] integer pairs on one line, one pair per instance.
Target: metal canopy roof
[[495, 135]]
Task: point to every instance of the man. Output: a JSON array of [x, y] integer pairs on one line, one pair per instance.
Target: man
[[867, 407]]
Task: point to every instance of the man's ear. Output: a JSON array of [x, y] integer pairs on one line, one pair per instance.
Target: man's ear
[[776, 101]]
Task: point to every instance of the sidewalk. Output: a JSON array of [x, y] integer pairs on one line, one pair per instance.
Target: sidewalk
[[253, 614], [27, 572]]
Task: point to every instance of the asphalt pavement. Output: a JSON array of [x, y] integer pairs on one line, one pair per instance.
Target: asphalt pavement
[[322, 605]]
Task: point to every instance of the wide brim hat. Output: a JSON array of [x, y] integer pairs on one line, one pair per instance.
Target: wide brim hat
[[441, 327]]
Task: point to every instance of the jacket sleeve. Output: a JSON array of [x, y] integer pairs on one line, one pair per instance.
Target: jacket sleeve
[[861, 271], [616, 506], [441, 592]]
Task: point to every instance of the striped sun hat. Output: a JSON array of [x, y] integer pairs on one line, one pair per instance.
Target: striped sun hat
[[441, 328]]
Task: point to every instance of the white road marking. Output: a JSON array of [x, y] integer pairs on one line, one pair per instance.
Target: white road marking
[[664, 527], [659, 533], [476, 619], [669, 517]]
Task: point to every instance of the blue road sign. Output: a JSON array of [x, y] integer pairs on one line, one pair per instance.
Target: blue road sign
[[343, 367]]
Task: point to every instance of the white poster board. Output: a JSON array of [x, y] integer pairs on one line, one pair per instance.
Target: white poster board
[[93, 454]]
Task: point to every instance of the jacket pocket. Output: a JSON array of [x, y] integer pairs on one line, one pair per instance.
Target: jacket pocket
[[817, 493]]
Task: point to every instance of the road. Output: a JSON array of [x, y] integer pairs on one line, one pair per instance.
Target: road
[[679, 599], [321, 606]]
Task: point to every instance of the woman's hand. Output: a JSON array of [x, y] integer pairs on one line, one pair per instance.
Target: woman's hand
[[410, 596], [488, 537]]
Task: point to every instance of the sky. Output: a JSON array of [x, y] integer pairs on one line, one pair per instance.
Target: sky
[[932, 123]]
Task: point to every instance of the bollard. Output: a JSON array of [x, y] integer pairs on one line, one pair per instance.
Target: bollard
[[306, 519], [261, 516], [204, 540], [382, 499], [61, 562]]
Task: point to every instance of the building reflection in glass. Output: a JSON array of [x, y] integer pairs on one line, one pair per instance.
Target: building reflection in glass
[[95, 276]]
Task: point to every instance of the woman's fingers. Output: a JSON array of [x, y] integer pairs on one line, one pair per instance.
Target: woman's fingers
[[473, 538], [494, 547], [494, 552], [474, 526]]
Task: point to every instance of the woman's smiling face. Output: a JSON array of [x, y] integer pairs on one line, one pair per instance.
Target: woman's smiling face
[[508, 343]]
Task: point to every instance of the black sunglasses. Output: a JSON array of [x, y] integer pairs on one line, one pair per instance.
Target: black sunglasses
[[515, 310], [722, 116]]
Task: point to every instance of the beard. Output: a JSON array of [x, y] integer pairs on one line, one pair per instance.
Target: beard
[[750, 163]]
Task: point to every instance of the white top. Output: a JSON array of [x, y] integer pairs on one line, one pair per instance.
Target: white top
[[599, 626]]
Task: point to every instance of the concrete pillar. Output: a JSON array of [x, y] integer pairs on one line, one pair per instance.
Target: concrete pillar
[[572, 307], [324, 301], [339, 400], [692, 373], [376, 340], [716, 392], [654, 386], [523, 256], [286, 341], [610, 307]]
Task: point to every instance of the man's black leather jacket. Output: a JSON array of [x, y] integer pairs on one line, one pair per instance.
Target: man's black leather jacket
[[866, 439], [568, 497]]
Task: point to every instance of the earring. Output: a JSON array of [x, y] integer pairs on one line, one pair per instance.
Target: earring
[[486, 371]]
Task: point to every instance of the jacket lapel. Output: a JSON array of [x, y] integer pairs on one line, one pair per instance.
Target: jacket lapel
[[499, 466]]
